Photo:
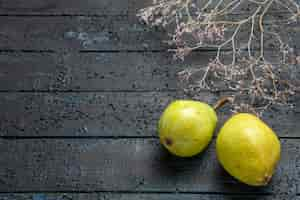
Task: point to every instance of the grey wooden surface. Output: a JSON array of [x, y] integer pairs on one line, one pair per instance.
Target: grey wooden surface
[[82, 85], [122, 165]]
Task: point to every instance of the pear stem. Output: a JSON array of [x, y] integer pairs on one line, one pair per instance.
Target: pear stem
[[221, 102]]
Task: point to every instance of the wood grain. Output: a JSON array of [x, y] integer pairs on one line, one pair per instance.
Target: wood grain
[[108, 114], [77, 33], [84, 114], [92, 71], [126, 196], [107, 33], [126, 165], [245, 6], [109, 71], [89, 7], [66, 7]]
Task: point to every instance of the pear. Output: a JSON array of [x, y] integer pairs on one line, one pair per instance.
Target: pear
[[186, 127], [248, 149]]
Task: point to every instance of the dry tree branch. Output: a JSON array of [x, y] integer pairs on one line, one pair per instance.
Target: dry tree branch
[[255, 82]]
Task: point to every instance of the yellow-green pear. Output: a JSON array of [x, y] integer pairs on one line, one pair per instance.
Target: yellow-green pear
[[186, 127], [248, 149]]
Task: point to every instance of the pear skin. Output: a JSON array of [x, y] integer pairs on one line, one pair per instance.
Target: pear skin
[[248, 149], [186, 127]]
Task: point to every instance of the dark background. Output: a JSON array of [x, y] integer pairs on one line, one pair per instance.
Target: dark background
[[82, 85]]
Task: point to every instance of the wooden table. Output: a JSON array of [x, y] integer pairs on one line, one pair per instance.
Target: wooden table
[[82, 85]]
